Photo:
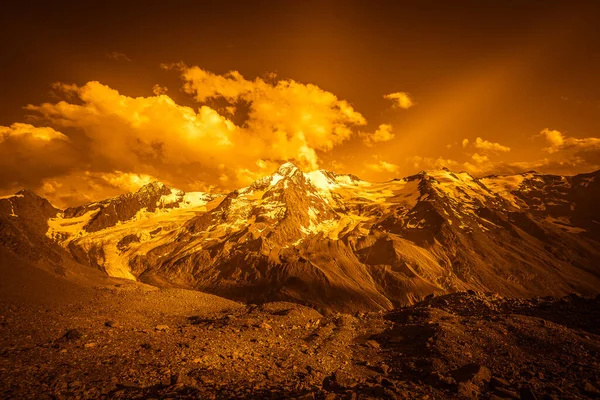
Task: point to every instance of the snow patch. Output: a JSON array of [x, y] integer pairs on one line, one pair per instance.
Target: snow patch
[[10, 196], [320, 180], [61, 228], [275, 178]]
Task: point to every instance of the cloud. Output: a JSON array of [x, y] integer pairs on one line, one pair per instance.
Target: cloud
[[87, 186], [566, 156], [30, 133], [382, 134], [116, 56], [559, 142], [555, 138], [158, 90], [103, 131], [146, 132], [29, 154], [476, 165], [489, 146], [428, 163], [400, 99], [382, 166], [296, 119], [94, 142], [337, 166], [545, 165], [480, 159]]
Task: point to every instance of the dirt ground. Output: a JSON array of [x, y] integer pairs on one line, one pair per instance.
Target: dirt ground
[[120, 339]]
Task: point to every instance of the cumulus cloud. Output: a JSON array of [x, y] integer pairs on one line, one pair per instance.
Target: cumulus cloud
[[480, 159], [489, 146], [382, 134], [557, 142], [95, 131], [426, 163], [554, 137], [476, 165], [29, 154], [566, 155], [382, 166], [158, 90], [86, 186], [295, 119], [142, 132], [400, 99], [96, 142], [27, 132]]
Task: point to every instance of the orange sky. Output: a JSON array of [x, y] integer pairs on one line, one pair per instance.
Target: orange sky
[[100, 100]]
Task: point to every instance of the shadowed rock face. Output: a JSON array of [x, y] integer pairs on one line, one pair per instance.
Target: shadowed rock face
[[23, 224], [335, 242], [29, 209]]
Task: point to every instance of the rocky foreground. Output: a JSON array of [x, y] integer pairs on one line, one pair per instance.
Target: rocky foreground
[[128, 340]]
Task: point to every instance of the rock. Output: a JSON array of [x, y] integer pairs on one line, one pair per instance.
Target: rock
[[372, 344], [89, 345], [345, 320], [591, 389], [499, 382], [165, 381], [329, 383], [384, 368], [380, 391], [182, 379], [527, 394], [338, 380], [468, 390], [265, 326], [446, 380], [73, 334], [540, 376], [344, 379], [74, 384], [112, 324], [475, 373], [161, 328], [506, 394], [387, 382]]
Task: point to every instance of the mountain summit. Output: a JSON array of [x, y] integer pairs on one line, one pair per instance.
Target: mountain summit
[[335, 241], [287, 169]]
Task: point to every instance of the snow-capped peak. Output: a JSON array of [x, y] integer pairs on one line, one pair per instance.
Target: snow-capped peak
[[287, 169], [152, 187]]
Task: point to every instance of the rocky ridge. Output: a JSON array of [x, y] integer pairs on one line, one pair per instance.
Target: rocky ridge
[[336, 242]]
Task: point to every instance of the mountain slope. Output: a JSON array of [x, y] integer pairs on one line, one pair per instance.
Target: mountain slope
[[337, 242]]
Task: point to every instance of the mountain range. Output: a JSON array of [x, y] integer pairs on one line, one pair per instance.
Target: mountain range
[[328, 240]]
